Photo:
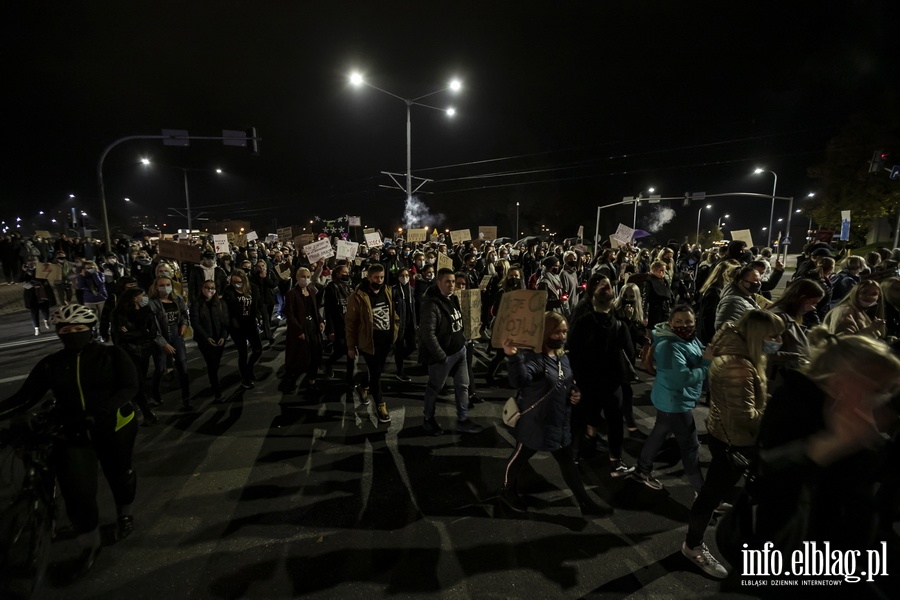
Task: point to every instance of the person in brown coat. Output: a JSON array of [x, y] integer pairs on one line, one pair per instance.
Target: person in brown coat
[[303, 342]]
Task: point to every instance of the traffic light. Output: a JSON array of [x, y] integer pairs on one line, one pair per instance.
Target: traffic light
[[879, 157], [253, 141]]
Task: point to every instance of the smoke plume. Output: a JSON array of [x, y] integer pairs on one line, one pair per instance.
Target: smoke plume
[[659, 217], [416, 214]]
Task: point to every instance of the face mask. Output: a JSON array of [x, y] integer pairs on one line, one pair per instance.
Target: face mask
[[420, 263], [771, 346], [685, 332], [145, 300], [344, 277], [514, 282], [691, 261], [209, 293], [77, 264], [571, 265], [77, 340], [628, 302], [164, 289], [164, 274], [303, 281], [91, 270], [404, 280], [429, 261], [491, 259], [554, 344], [207, 262], [555, 270], [868, 304], [143, 261], [374, 286], [112, 261], [237, 286], [429, 276], [753, 288]]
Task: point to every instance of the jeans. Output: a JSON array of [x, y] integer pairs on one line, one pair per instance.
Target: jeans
[[375, 362], [44, 309], [180, 360], [437, 375], [681, 425], [212, 356], [721, 478]]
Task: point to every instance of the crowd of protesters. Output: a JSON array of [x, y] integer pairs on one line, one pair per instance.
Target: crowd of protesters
[[702, 322]]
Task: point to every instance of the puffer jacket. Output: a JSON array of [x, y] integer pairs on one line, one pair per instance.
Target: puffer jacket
[[737, 393], [732, 305], [680, 371], [536, 375], [847, 319]]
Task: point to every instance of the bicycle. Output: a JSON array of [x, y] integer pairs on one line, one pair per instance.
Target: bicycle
[[28, 522]]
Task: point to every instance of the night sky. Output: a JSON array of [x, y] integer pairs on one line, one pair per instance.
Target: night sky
[[565, 105]]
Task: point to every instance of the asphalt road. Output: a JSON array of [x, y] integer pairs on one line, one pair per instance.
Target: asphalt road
[[284, 496]]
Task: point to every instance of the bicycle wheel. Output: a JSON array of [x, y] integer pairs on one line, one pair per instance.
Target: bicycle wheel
[[26, 533]]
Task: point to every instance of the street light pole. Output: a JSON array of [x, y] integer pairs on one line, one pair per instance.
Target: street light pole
[[699, 212], [187, 203], [772, 211], [516, 235]]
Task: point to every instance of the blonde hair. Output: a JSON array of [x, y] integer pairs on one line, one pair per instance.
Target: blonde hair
[[154, 292], [832, 354], [246, 289], [304, 270], [552, 320], [720, 273], [638, 305], [852, 297], [754, 326]]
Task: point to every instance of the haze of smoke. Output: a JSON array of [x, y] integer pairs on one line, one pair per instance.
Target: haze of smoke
[[416, 214], [660, 216]]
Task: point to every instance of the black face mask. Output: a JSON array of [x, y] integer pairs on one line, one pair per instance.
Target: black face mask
[[344, 277], [76, 341], [554, 344], [375, 287], [513, 282]]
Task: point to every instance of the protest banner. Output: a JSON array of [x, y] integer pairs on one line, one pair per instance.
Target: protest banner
[[743, 235], [271, 238], [304, 239], [52, 272], [484, 282], [179, 252], [346, 250], [444, 262], [318, 250], [220, 243], [251, 236], [354, 222], [624, 234], [488, 232], [520, 319], [580, 234], [417, 235], [43, 233], [470, 305], [285, 234], [373, 240], [460, 235], [283, 270]]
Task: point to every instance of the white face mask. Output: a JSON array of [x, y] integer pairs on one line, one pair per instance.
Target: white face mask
[[209, 293], [237, 286], [145, 300], [164, 289], [303, 281], [404, 280], [868, 304]]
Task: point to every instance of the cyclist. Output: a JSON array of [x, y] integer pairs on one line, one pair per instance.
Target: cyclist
[[93, 385]]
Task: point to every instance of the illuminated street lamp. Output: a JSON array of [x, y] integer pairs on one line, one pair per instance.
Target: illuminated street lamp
[[699, 212], [757, 171], [187, 196]]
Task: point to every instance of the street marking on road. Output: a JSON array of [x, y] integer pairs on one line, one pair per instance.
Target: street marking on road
[[19, 344], [15, 378]]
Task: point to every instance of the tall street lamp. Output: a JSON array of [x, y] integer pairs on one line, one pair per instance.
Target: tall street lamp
[[719, 222], [699, 212], [187, 194], [757, 171], [357, 80], [516, 236]]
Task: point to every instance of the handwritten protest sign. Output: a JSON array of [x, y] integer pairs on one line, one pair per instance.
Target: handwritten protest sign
[[373, 240], [285, 234], [417, 235], [487, 232], [304, 239], [484, 282], [460, 235], [283, 270], [49, 271], [613, 243], [444, 262], [179, 252], [42, 233], [354, 221], [470, 304], [743, 235], [346, 250], [318, 250], [251, 236], [271, 238], [580, 234], [220, 242], [624, 234], [521, 319]]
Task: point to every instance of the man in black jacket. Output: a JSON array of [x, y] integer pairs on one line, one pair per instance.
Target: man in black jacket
[[442, 348]]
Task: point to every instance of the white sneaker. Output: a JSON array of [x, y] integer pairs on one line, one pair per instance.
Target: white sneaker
[[46, 325], [703, 558], [37, 331]]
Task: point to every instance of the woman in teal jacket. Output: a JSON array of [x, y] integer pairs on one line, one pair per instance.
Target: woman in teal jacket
[[681, 366]]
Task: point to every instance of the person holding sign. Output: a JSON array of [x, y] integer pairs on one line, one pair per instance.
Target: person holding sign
[[547, 393], [372, 326], [442, 346]]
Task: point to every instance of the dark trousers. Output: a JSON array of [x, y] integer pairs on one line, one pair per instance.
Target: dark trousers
[[587, 412], [721, 478], [628, 406], [161, 358], [212, 356], [44, 309], [338, 349], [682, 426], [405, 346], [247, 335], [141, 362], [375, 362], [76, 470], [266, 312], [564, 457]]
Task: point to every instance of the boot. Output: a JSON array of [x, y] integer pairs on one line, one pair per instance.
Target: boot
[[511, 499], [150, 418]]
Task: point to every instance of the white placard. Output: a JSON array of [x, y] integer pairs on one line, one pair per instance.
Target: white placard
[[624, 234], [220, 241], [743, 234], [318, 250], [460, 235], [373, 240], [354, 221], [271, 238], [417, 235], [251, 236], [346, 250]]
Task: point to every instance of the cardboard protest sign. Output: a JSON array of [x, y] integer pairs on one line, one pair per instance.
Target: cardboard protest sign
[[484, 282], [346, 250], [373, 240], [417, 235], [369, 230], [271, 238], [285, 234], [220, 242], [283, 270], [179, 252], [304, 239], [521, 319], [613, 243], [42, 233], [49, 271], [744, 235], [470, 304], [488, 232], [460, 235], [251, 236], [444, 262], [354, 222], [318, 250], [580, 234], [624, 234]]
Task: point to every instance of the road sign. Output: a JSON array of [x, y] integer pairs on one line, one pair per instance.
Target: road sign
[[654, 199], [895, 172], [698, 196], [175, 137]]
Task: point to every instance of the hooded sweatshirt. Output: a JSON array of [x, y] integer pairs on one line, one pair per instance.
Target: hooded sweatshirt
[[680, 370]]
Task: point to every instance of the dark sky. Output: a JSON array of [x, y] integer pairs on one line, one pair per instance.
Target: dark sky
[[592, 100]]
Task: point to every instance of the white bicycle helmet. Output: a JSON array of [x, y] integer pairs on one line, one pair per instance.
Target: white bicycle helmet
[[73, 314]]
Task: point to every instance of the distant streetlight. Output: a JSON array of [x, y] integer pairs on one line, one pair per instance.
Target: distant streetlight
[[699, 212], [357, 80], [719, 222], [517, 222], [637, 201], [219, 171], [757, 171], [187, 196], [127, 199]]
